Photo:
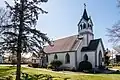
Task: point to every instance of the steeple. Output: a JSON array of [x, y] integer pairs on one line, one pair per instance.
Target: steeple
[[85, 27], [85, 16], [85, 22]]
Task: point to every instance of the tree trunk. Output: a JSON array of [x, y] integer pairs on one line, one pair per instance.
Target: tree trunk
[[18, 66], [19, 47]]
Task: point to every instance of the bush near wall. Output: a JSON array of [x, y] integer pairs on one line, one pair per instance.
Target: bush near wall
[[29, 64], [55, 64], [49, 66], [85, 65]]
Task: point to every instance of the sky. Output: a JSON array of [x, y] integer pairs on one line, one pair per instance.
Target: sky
[[64, 15]]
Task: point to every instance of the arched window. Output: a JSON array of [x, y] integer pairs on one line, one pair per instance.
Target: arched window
[[88, 25], [85, 57], [46, 58], [67, 58], [55, 56], [84, 26]]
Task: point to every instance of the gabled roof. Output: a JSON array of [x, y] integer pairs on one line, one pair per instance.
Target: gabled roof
[[92, 45], [90, 20], [70, 43]]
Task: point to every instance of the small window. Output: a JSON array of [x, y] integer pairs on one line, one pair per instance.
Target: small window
[[67, 58], [55, 56], [88, 25]]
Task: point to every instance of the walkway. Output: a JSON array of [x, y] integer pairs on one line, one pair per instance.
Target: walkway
[[63, 72]]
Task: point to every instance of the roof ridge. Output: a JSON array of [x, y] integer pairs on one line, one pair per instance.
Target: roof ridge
[[64, 37]]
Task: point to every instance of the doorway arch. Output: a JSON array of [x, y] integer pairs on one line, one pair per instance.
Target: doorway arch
[[85, 57]]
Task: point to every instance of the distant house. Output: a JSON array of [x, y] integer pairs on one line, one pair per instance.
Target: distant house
[[73, 49], [41, 60]]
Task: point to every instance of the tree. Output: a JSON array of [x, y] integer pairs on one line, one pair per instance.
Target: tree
[[107, 57], [117, 48], [20, 35], [114, 32]]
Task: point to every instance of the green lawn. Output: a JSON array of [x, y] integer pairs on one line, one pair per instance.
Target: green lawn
[[7, 71]]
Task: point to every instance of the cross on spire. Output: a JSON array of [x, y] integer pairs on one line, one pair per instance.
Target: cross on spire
[[84, 6]]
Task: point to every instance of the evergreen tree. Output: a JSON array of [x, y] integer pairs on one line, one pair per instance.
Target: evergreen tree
[[19, 35]]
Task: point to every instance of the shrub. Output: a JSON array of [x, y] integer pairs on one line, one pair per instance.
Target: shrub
[[50, 66], [26, 76], [85, 65], [29, 64], [13, 62], [73, 69], [9, 78], [6, 78], [35, 65], [56, 63], [101, 67]]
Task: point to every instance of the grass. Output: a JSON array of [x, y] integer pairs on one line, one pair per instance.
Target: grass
[[7, 71]]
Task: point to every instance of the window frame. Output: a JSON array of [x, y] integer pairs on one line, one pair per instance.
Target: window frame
[[55, 57], [67, 58]]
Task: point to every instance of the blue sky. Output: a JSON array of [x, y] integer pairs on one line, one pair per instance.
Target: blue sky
[[64, 15]]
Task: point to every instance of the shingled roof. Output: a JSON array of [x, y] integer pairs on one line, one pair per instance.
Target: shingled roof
[[65, 44], [92, 45]]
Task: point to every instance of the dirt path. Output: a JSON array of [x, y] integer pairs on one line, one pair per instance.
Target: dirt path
[[63, 72]]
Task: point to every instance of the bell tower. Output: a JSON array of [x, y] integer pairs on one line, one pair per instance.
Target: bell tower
[[85, 28]]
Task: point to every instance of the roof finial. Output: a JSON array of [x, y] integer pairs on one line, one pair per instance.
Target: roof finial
[[84, 6]]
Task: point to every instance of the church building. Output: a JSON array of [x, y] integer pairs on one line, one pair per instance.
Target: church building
[[73, 49]]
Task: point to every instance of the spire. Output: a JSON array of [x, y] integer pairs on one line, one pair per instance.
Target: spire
[[84, 6], [85, 16]]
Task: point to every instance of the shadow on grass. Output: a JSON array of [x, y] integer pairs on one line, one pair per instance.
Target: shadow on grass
[[6, 71], [102, 72], [26, 76]]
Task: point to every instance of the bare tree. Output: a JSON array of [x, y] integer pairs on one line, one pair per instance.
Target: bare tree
[[20, 35], [114, 32]]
